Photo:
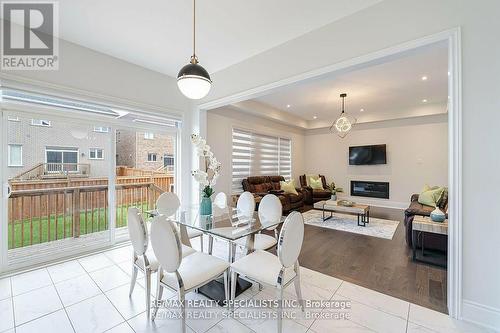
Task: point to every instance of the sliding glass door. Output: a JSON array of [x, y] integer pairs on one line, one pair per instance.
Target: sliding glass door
[[57, 175]]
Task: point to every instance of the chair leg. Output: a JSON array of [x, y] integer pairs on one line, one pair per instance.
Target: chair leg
[[226, 287], [210, 244], [234, 281], [296, 282], [148, 292], [280, 309], [201, 243], [183, 310], [233, 251], [159, 294], [133, 280]]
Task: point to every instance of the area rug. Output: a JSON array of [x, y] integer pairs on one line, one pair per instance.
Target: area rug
[[376, 228]]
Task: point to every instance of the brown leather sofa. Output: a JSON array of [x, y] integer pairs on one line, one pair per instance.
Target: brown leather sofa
[[262, 185], [312, 196], [431, 241]]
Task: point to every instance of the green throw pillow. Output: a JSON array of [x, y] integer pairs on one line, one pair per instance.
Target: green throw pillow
[[288, 187], [309, 177], [316, 184], [430, 196]]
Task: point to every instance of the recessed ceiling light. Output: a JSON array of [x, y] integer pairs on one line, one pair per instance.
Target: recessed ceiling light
[[361, 110], [424, 78], [315, 117], [424, 101], [288, 106]]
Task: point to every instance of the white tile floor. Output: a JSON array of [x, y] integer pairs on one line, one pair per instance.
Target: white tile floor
[[91, 295]]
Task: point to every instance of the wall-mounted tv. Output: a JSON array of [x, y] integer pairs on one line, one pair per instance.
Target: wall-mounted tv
[[367, 155]]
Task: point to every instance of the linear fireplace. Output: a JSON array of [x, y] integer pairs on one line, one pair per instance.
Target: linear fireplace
[[370, 189]]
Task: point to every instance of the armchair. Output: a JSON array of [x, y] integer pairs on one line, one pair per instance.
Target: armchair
[[314, 195]]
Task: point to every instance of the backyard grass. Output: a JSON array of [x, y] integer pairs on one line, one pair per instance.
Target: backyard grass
[[45, 229]]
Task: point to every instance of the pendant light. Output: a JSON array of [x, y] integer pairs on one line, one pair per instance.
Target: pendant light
[[193, 80], [344, 123]]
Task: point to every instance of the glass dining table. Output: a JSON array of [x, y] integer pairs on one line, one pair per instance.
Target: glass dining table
[[228, 224]]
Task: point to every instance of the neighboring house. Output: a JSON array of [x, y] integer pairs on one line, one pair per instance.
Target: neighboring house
[[144, 150], [55, 146]]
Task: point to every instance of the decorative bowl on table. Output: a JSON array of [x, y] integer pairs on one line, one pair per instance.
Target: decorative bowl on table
[[345, 203]]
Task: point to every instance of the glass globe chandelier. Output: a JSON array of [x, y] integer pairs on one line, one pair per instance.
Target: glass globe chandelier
[[193, 80], [344, 123]]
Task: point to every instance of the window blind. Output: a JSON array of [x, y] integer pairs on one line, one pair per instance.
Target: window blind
[[257, 154]]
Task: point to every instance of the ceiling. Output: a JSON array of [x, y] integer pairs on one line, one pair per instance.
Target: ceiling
[[387, 90], [157, 34]]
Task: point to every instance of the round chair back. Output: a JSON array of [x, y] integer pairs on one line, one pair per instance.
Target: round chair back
[[221, 200], [270, 209], [291, 237], [167, 204], [137, 231], [246, 204], [166, 243]]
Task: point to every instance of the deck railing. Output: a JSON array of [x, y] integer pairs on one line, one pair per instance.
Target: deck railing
[[45, 211], [54, 170]]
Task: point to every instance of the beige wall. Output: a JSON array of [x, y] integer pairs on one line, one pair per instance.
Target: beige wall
[[219, 136], [416, 155]]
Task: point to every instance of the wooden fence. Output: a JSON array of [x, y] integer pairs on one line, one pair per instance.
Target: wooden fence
[[42, 211]]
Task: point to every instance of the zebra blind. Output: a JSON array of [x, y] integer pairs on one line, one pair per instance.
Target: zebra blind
[[257, 154]]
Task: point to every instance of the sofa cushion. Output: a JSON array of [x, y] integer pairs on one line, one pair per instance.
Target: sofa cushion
[[293, 198], [316, 184], [321, 194], [430, 196], [262, 188], [417, 208]]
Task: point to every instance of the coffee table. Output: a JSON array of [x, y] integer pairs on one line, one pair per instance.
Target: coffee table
[[362, 211]]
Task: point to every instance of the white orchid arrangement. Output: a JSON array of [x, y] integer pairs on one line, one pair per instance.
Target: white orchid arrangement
[[207, 177]]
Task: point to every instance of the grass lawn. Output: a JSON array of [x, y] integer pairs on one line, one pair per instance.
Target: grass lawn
[[44, 228]]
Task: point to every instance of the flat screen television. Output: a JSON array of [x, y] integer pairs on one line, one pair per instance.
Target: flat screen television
[[367, 155]]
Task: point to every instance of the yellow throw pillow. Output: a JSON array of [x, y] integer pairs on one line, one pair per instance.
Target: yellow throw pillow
[[316, 184], [288, 187], [430, 196], [308, 179]]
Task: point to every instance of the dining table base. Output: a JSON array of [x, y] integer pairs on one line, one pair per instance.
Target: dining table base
[[215, 289]]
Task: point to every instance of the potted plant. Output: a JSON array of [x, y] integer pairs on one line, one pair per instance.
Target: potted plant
[[334, 190], [208, 173]]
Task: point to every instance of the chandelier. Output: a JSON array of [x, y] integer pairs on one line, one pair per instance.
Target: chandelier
[[344, 123]]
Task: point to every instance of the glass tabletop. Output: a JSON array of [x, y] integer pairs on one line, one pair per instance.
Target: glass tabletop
[[229, 223]]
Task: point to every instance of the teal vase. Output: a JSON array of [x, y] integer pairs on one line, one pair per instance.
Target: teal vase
[[205, 206]]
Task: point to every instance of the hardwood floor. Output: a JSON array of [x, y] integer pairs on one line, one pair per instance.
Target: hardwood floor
[[379, 264]]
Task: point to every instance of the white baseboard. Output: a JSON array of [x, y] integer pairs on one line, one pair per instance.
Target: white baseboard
[[482, 315]]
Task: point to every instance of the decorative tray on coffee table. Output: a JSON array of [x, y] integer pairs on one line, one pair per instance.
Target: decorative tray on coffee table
[[345, 203]]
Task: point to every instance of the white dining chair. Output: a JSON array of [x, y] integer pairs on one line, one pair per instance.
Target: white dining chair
[[144, 258], [167, 204], [246, 204], [270, 210], [220, 210], [182, 274], [275, 271]]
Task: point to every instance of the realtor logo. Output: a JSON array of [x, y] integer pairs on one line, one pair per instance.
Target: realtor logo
[[27, 38]]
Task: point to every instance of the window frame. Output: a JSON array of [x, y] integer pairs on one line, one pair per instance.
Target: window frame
[[152, 160], [149, 136], [9, 155], [95, 150], [258, 144]]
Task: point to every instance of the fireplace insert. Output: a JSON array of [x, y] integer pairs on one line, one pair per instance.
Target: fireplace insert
[[370, 189]]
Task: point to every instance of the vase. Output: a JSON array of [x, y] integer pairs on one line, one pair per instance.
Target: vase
[[437, 215], [334, 197], [205, 206]]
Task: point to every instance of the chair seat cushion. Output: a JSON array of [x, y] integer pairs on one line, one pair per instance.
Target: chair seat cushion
[[195, 270], [262, 242], [263, 267], [322, 193], [153, 262]]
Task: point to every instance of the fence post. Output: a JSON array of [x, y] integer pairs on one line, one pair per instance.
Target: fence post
[[76, 213]]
